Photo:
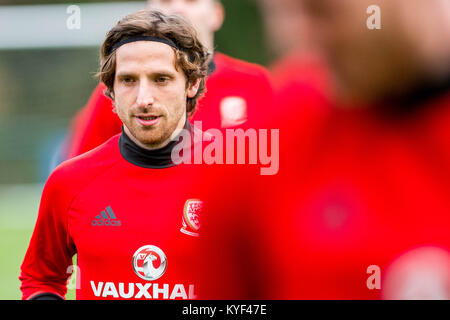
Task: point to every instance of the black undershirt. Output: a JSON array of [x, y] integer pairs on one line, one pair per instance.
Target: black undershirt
[[153, 159], [412, 101]]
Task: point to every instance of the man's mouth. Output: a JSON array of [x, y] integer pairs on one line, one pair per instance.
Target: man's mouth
[[146, 121]]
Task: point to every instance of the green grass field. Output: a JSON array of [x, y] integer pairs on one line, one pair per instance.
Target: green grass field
[[18, 212]]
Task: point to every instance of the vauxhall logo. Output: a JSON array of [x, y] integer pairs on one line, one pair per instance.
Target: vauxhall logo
[[149, 263], [106, 218]]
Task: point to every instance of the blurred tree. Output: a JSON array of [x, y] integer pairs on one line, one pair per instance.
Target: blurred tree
[[242, 34]]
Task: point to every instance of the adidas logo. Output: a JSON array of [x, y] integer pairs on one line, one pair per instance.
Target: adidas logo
[[106, 218]]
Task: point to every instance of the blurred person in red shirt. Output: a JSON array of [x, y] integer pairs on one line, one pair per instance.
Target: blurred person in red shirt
[[360, 207], [236, 90], [298, 63]]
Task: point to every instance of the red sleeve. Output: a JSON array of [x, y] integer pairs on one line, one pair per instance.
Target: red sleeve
[[260, 94], [264, 97], [50, 252], [93, 125]]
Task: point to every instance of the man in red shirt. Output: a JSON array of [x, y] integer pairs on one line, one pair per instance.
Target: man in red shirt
[[236, 90], [360, 206], [129, 213]]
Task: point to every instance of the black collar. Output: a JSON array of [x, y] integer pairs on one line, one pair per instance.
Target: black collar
[[152, 159], [413, 100], [211, 66]]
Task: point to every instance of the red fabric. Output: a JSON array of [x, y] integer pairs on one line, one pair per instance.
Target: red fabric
[[301, 67], [149, 203], [297, 72], [96, 123], [355, 189]]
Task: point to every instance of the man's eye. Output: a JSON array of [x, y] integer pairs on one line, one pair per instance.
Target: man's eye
[[127, 80], [162, 79]]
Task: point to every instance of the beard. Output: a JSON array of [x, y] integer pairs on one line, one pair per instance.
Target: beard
[[152, 137], [156, 136]]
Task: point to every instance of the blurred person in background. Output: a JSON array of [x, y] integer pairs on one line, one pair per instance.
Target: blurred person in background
[[360, 206], [236, 90], [299, 64]]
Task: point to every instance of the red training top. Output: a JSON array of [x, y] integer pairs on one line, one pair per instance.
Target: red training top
[[132, 218]]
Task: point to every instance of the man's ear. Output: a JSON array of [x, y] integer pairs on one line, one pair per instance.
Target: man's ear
[[193, 88], [113, 101]]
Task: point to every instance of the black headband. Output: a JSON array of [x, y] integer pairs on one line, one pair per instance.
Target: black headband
[[143, 38]]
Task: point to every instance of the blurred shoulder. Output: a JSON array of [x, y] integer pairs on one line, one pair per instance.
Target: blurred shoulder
[[80, 170], [240, 67]]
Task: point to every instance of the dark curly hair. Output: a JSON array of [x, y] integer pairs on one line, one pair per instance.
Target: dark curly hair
[[191, 55]]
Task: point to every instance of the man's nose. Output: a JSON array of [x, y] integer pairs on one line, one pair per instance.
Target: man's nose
[[145, 96]]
